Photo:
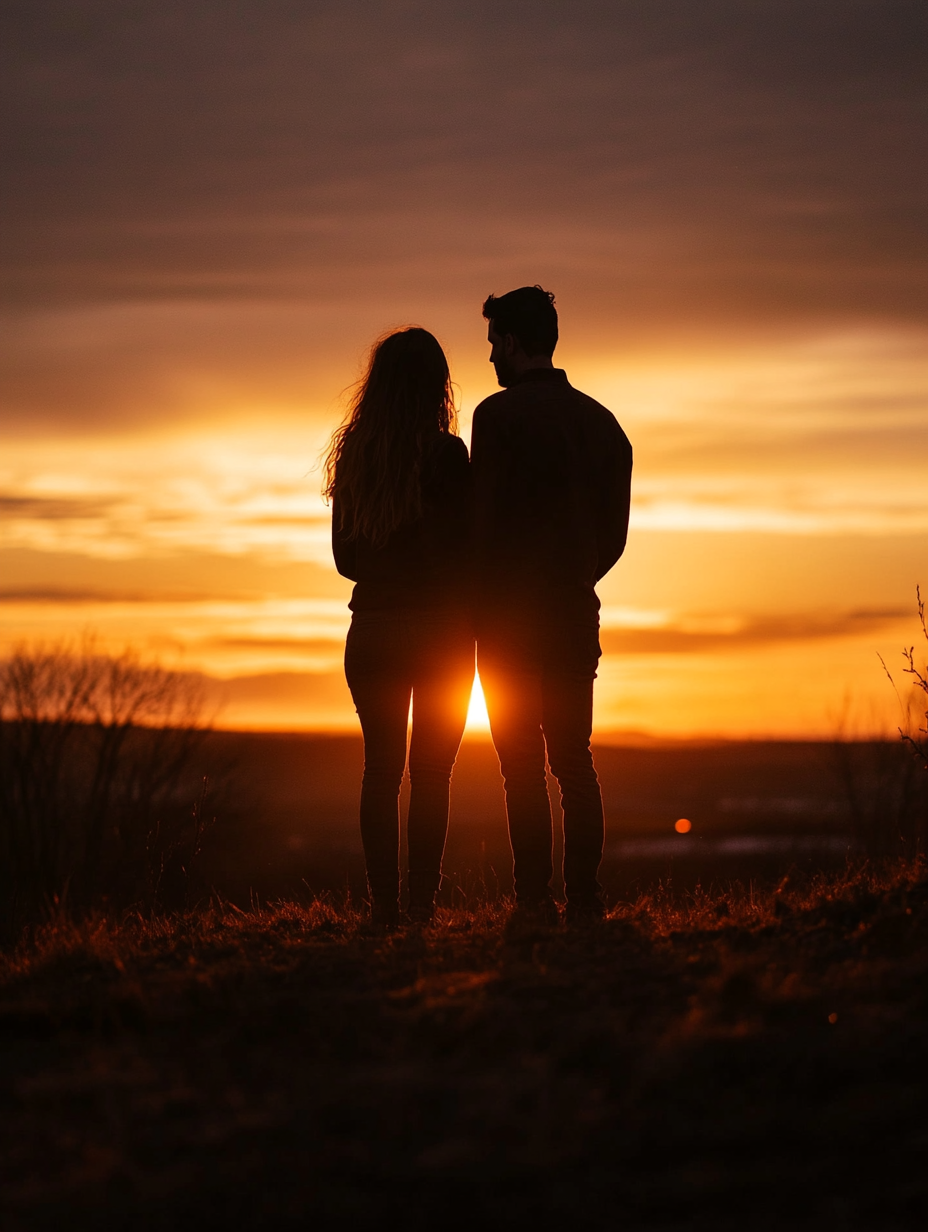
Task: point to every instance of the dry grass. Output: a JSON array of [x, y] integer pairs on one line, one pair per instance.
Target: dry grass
[[722, 1059], [221, 927]]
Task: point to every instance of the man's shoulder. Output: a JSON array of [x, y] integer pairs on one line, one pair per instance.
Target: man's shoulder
[[523, 395], [590, 405], [493, 403], [530, 396], [596, 411]]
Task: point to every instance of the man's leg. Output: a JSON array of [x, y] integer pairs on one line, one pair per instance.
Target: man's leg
[[514, 704], [567, 717]]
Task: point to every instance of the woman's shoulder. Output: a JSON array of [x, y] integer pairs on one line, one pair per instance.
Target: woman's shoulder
[[447, 467], [446, 453], [451, 448]]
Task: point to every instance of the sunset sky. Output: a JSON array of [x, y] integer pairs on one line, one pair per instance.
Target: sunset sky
[[210, 211]]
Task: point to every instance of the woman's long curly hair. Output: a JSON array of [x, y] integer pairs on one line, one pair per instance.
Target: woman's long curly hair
[[373, 466]]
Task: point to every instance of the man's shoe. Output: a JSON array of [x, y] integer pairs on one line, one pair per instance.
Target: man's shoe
[[585, 912]]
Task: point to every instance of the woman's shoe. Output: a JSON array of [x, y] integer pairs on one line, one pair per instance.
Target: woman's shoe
[[585, 912], [421, 914], [385, 917], [528, 915]]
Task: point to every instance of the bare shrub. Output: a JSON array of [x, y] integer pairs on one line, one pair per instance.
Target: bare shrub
[[101, 798], [886, 796], [917, 740], [885, 782]]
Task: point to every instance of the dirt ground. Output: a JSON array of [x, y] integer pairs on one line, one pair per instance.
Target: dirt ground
[[736, 1060]]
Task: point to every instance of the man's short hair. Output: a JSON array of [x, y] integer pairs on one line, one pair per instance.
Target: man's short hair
[[529, 315]]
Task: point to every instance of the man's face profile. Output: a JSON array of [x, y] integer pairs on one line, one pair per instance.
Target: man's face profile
[[501, 356]]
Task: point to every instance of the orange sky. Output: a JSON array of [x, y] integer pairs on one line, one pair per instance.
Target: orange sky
[[210, 213]]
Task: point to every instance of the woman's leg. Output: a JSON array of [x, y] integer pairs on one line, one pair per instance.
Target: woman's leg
[[381, 691], [441, 693]]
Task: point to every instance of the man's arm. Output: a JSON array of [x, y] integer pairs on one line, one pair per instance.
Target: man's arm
[[477, 440], [615, 505], [482, 465]]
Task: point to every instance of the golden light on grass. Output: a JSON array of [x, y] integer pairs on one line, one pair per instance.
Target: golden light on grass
[[683, 826], [477, 717]]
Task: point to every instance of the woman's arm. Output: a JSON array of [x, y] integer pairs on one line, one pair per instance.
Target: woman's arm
[[344, 550]]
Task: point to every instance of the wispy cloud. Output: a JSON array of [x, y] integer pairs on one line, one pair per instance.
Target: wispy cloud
[[207, 208], [802, 436], [252, 494], [696, 634], [819, 434]]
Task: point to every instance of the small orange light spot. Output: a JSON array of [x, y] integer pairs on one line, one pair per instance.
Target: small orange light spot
[[832, 1018], [683, 826]]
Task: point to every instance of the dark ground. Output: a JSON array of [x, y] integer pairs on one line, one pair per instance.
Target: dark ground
[[289, 824], [715, 1056], [749, 1060]]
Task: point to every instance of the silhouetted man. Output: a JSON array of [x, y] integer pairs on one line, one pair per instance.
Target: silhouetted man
[[552, 476]]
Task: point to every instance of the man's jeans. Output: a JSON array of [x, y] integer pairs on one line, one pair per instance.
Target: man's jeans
[[390, 656], [532, 707]]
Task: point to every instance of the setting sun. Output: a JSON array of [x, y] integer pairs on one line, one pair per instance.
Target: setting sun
[[477, 717]]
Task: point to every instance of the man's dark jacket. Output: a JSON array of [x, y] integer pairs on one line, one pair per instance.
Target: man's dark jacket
[[552, 481]]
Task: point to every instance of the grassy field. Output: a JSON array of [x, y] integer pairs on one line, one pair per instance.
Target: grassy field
[[732, 1060]]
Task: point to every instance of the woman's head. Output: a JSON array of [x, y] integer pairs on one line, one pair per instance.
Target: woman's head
[[403, 402], [407, 381]]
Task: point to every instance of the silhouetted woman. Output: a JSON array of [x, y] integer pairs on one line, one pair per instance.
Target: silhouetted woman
[[398, 478]]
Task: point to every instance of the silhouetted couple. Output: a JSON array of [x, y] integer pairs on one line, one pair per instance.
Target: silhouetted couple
[[504, 549]]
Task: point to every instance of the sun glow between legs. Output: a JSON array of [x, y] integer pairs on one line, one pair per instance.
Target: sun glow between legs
[[477, 717]]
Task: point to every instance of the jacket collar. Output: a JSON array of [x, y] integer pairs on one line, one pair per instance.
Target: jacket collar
[[541, 374]]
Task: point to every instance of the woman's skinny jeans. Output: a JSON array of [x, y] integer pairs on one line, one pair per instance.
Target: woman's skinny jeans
[[390, 657]]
